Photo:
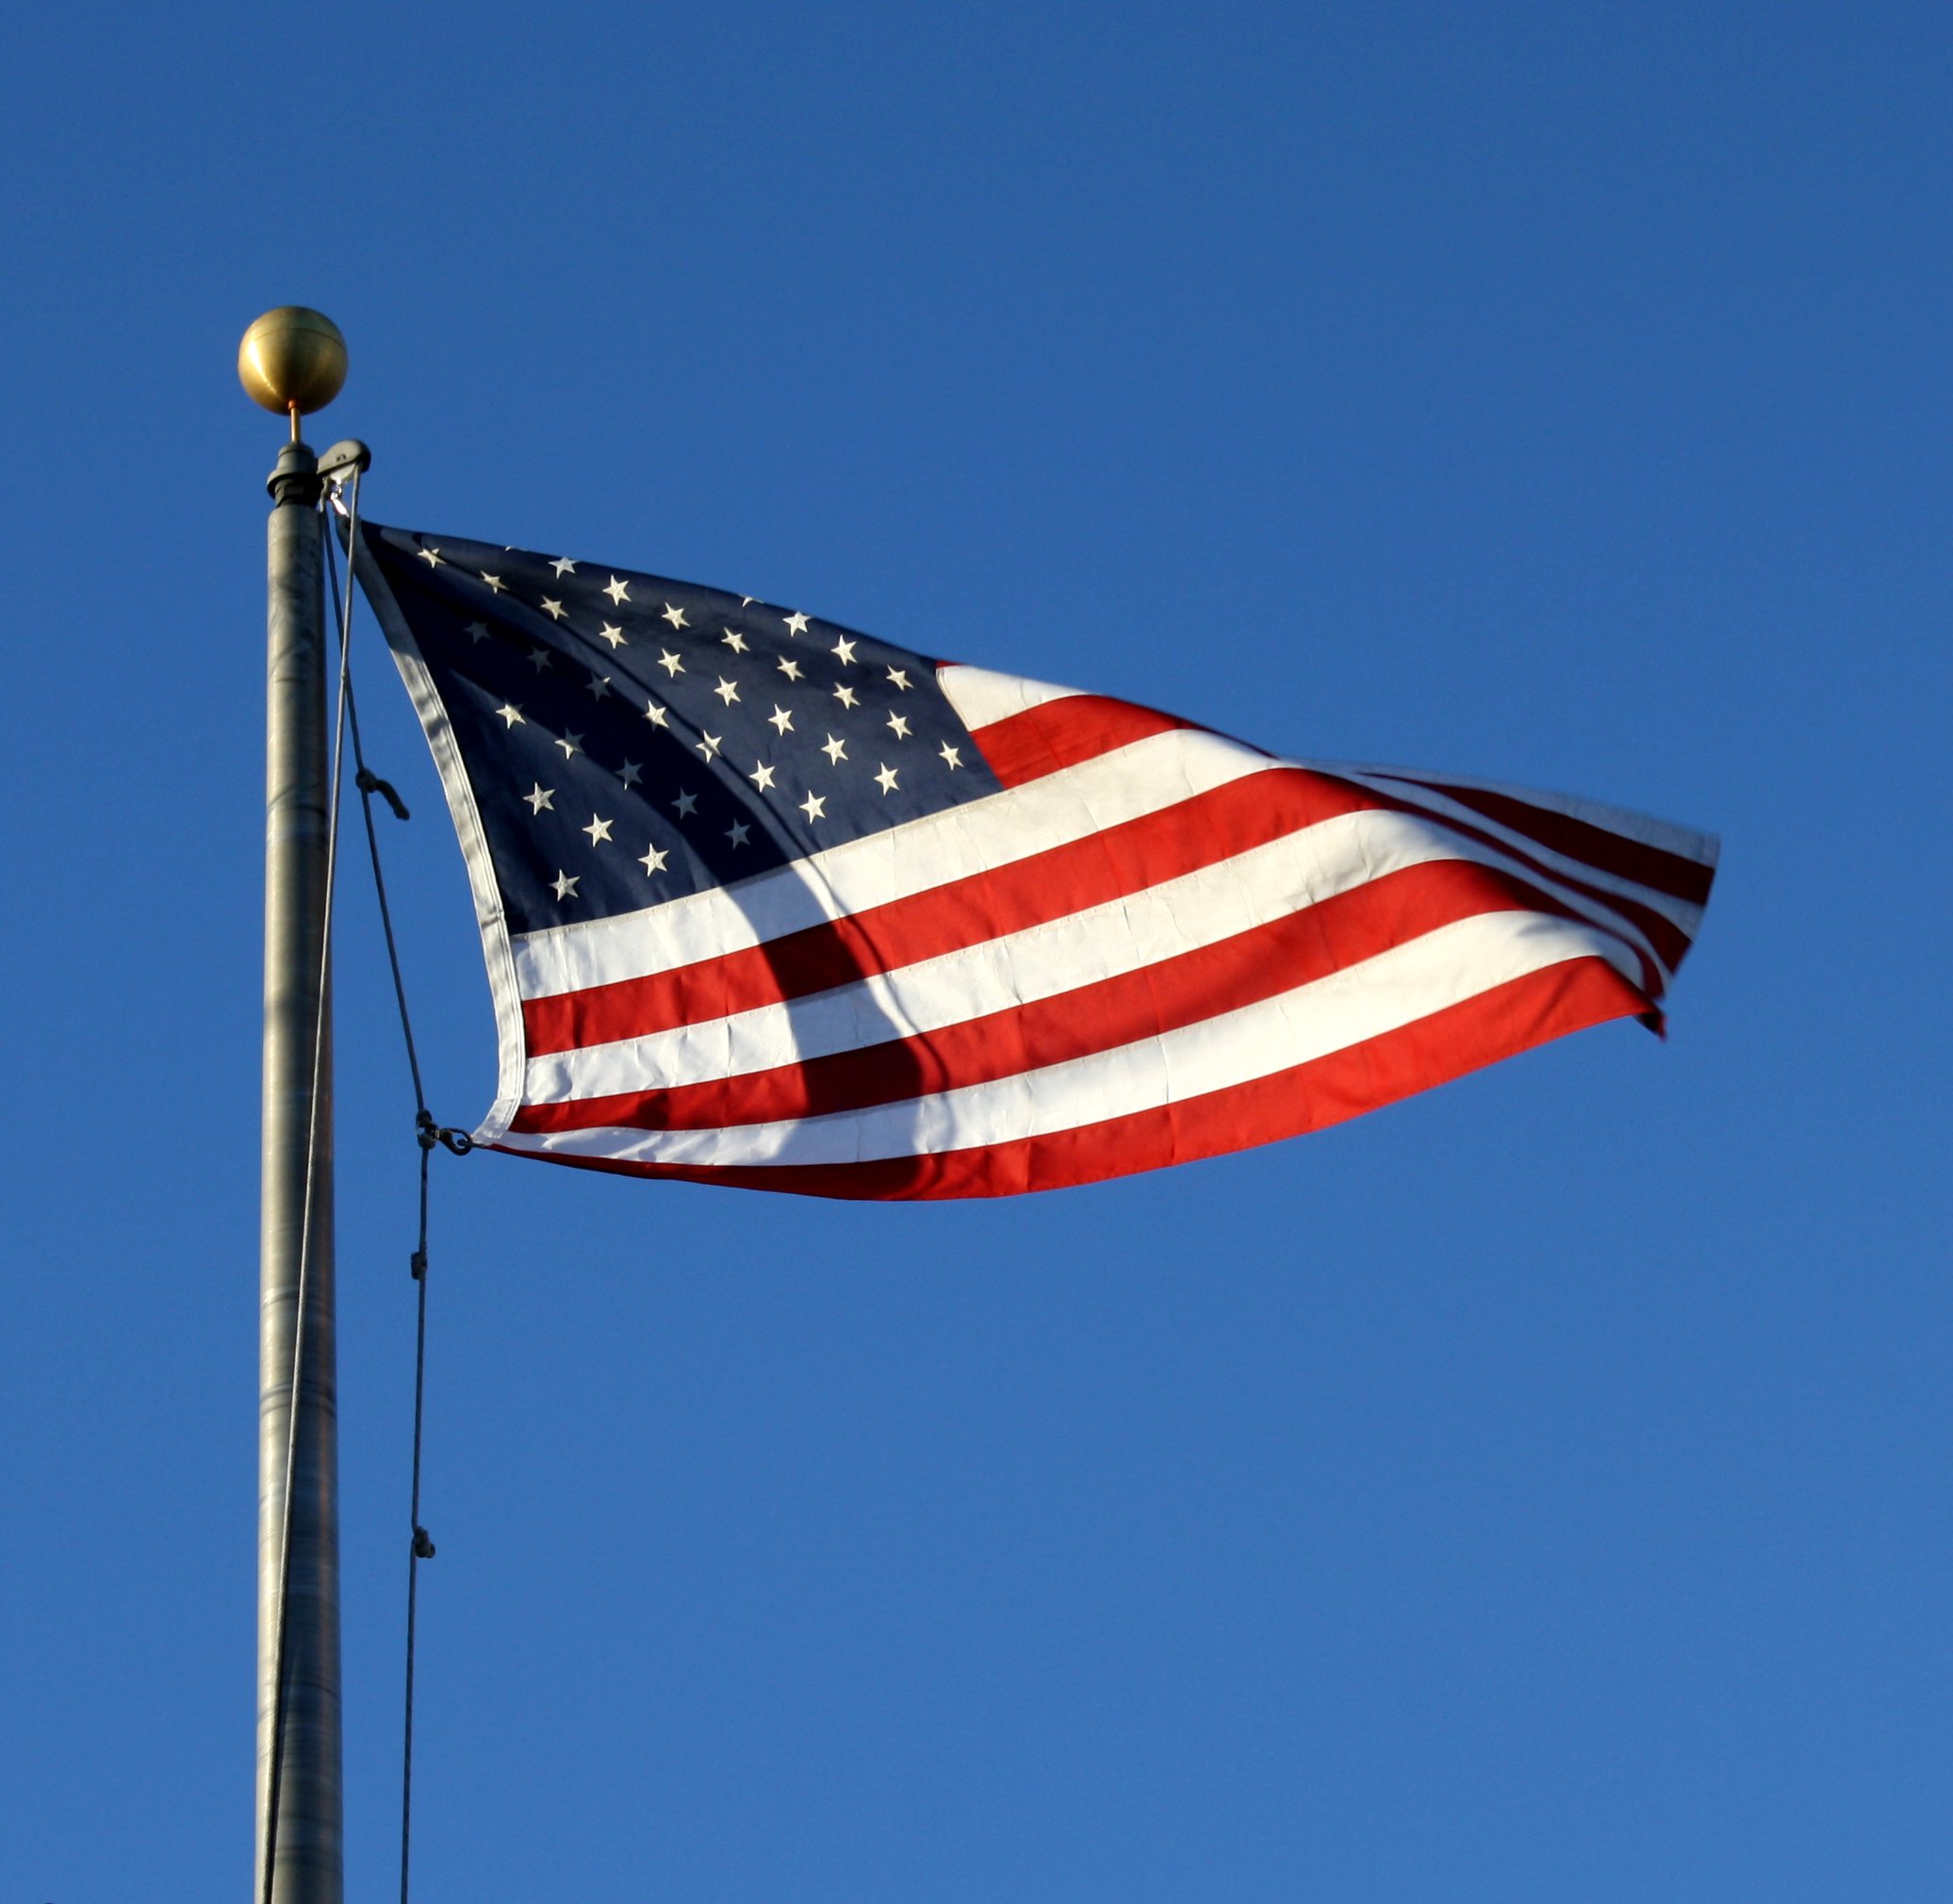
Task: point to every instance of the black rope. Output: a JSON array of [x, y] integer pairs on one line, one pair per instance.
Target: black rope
[[419, 1548], [369, 784], [427, 1134]]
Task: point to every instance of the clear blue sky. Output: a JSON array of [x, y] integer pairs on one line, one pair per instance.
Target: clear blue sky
[[1536, 1490]]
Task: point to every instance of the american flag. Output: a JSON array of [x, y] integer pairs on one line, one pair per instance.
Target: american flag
[[770, 903]]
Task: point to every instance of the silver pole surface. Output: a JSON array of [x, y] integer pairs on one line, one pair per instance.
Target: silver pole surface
[[303, 1754]]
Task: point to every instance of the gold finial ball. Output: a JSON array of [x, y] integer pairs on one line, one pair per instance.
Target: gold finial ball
[[292, 358]]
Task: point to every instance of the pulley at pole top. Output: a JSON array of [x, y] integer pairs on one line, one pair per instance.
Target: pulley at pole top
[[292, 361]]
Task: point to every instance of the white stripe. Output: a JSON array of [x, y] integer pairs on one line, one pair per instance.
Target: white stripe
[[937, 850], [1124, 784], [981, 697], [1684, 842], [1686, 918], [1124, 935], [1365, 1001]]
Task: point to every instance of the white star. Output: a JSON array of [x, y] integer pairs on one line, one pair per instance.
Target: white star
[[652, 861], [814, 807], [780, 721], [540, 797], [790, 668], [737, 832], [708, 745], [564, 885], [898, 727], [630, 774], [672, 666], [844, 649], [552, 609], [656, 714], [885, 779], [430, 556], [726, 691], [796, 623], [747, 600], [478, 630], [612, 635], [619, 592], [676, 617], [844, 695], [571, 744], [953, 756], [761, 775], [539, 659], [494, 581], [598, 686], [686, 805], [509, 712], [562, 565], [735, 641], [835, 750], [599, 830], [899, 678]]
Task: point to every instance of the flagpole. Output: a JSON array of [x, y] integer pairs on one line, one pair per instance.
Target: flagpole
[[293, 361]]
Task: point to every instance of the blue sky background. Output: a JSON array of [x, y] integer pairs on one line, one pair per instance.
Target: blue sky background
[[1536, 1490]]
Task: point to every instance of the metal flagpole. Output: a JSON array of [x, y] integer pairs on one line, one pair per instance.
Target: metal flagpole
[[293, 361]]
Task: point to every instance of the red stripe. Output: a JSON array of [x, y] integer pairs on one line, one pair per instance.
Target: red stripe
[[1048, 885], [1293, 950], [1652, 866], [1053, 884], [1060, 733], [1669, 941], [1464, 1037]]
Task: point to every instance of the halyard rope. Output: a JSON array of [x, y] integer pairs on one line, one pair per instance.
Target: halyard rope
[[427, 1135]]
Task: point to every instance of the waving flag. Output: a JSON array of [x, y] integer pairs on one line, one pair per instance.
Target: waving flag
[[768, 902]]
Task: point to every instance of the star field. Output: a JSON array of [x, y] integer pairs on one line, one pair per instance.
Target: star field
[[630, 739]]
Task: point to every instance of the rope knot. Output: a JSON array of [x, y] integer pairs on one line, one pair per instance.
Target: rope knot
[[423, 1547], [368, 781]]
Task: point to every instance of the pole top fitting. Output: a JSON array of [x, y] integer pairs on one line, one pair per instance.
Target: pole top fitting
[[292, 361], [294, 477]]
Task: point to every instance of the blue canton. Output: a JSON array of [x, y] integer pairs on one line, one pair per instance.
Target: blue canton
[[631, 739]]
